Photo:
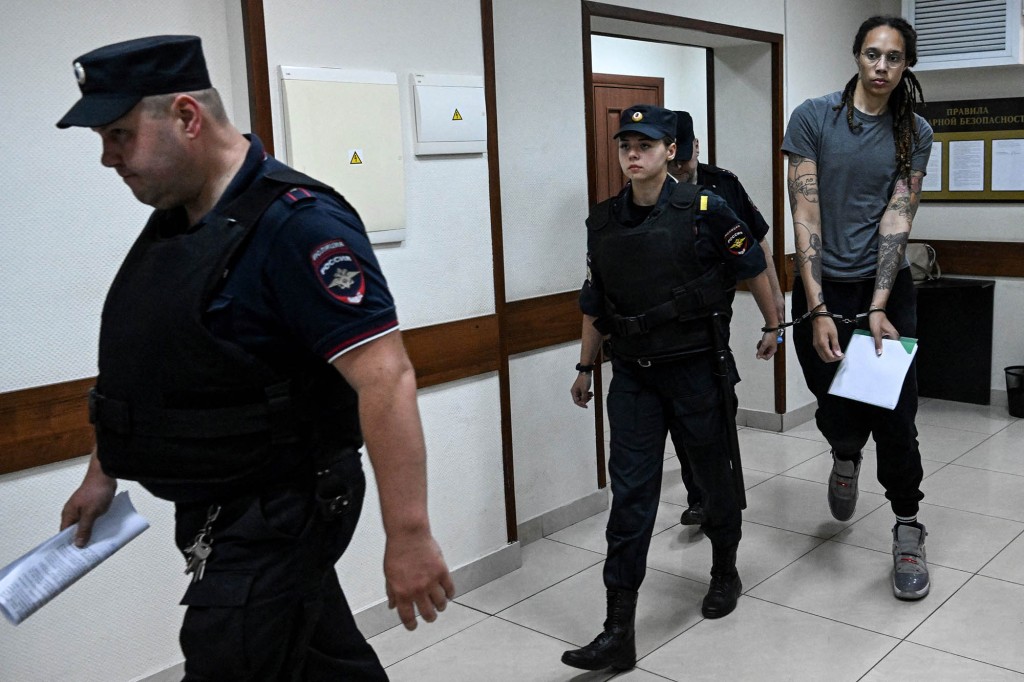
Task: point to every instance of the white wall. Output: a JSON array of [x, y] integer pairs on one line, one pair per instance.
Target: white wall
[[67, 220], [67, 223], [684, 69], [743, 108]]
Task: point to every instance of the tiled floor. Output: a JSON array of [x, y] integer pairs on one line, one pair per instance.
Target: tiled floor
[[817, 600]]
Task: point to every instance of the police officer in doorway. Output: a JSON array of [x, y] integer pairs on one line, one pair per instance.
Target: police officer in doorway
[[685, 167], [248, 346], [661, 257]]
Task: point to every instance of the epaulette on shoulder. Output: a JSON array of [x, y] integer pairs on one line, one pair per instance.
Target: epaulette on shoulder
[[717, 170], [702, 201], [297, 197]]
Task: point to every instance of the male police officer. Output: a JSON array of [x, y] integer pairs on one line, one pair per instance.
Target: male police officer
[[685, 167], [661, 257], [248, 345]]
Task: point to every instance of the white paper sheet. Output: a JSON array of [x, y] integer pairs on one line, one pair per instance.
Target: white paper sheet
[[870, 378], [40, 575]]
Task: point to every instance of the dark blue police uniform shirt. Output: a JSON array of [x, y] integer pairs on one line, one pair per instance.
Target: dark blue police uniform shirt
[[725, 184], [721, 237], [308, 284]]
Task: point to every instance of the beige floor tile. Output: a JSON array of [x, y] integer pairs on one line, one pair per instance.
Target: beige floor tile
[[977, 490], [1001, 452], [589, 533], [763, 551], [808, 430], [773, 452], [639, 675], [1009, 565], [853, 585], [801, 506], [982, 621], [544, 563], [956, 539], [398, 643], [765, 642], [492, 651], [914, 662], [943, 444], [987, 419], [574, 609]]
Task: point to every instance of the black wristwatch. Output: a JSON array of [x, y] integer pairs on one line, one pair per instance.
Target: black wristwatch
[[584, 368]]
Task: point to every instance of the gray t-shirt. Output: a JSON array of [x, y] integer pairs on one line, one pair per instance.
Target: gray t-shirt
[[856, 177]]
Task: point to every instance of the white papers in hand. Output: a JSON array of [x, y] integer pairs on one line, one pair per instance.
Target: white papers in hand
[[49, 569], [870, 378]]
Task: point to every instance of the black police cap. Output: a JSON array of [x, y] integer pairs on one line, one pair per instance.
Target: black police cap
[[648, 120], [115, 78], [684, 136]]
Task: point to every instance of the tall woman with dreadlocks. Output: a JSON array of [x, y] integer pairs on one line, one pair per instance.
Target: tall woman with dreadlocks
[[856, 160]]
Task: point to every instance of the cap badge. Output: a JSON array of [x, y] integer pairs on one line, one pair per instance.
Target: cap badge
[[637, 116], [79, 73]]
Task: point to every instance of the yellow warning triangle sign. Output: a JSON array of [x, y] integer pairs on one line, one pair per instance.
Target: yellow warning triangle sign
[[457, 116], [355, 159]]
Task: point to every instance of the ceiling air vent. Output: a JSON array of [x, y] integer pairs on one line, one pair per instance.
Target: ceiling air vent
[[957, 34]]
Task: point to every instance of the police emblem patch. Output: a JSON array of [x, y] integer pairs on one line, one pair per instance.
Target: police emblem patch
[[339, 271], [736, 241]]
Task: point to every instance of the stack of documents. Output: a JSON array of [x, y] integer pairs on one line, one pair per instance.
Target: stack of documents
[[869, 378], [50, 568]]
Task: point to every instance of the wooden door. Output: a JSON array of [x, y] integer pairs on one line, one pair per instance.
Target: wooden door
[[612, 94]]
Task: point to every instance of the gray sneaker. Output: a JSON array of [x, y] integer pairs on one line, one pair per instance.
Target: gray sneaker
[[909, 567], [842, 488]]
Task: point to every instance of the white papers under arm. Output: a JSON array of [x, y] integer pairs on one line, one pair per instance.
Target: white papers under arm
[[46, 571], [870, 378]]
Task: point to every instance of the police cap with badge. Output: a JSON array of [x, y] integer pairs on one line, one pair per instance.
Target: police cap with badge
[[114, 78], [648, 120]]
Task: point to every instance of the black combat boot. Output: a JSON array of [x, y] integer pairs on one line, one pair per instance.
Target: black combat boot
[[615, 647], [725, 584]]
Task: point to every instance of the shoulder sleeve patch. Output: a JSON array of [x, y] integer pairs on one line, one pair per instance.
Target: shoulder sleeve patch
[[736, 241], [339, 271]]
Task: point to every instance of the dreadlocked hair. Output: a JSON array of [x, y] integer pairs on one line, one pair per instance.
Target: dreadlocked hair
[[904, 98]]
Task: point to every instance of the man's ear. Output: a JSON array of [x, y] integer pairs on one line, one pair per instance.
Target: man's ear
[[187, 110]]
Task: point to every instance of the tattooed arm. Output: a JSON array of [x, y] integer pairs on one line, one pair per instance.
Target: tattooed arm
[[893, 233], [802, 179]]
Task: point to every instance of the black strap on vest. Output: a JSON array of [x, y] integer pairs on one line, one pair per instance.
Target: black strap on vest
[[689, 302]]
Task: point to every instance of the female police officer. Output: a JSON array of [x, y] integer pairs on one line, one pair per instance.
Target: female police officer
[[661, 256]]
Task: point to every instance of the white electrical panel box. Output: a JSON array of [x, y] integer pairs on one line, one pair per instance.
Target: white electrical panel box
[[345, 128], [451, 116]]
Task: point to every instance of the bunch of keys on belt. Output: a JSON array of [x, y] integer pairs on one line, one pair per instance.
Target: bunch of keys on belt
[[199, 551]]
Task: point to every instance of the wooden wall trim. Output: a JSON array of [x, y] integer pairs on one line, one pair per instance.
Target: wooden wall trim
[[978, 259], [956, 257], [44, 424], [544, 321]]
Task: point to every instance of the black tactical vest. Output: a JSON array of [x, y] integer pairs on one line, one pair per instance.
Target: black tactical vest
[[658, 296], [190, 415]]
